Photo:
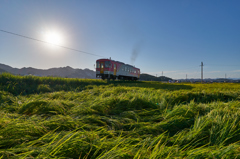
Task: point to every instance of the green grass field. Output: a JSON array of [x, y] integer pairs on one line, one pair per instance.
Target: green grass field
[[47, 117]]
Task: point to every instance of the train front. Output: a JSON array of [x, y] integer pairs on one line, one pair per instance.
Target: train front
[[103, 68]]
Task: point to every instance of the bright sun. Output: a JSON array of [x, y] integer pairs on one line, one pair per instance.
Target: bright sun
[[53, 37]]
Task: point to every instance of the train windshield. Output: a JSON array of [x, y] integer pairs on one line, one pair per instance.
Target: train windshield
[[107, 64], [98, 64]]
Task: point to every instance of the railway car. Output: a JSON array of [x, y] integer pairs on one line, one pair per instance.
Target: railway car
[[110, 69]]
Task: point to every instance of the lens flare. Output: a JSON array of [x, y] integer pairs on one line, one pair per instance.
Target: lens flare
[[53, 37]]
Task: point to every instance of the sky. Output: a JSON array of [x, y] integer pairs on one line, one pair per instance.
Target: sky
[[161, 37]]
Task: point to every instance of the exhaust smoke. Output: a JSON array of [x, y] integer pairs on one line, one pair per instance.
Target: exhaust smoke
[[135, 52]]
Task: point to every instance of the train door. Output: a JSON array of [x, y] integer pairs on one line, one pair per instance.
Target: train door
[[115, 70], [102, 68]]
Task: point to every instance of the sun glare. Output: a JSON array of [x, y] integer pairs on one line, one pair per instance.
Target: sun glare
[[53, 37]]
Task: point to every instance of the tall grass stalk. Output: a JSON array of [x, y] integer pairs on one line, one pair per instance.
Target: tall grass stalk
[[51, 117]]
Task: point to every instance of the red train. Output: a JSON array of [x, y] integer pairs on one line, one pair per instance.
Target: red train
[[110, 69]]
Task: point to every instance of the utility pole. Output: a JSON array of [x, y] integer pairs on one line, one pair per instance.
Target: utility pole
[[186, 77], [201, 72]]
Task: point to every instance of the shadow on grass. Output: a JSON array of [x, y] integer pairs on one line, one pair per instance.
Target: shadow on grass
[[24, 85], [154, 85]]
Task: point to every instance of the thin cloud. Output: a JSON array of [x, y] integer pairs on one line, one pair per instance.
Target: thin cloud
[[236, 71], [213, 72], [164, 72], [169, 71]]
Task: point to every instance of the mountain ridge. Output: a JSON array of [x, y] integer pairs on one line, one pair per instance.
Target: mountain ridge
[[147, 77], [67, 71]]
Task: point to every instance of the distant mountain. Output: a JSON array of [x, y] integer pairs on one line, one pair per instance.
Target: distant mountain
[[234, 78], [68, 72], [1, 71], [5, 67], [147, 77], [207, 80]]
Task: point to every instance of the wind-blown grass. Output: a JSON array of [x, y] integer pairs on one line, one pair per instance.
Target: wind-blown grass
[[49, 117]]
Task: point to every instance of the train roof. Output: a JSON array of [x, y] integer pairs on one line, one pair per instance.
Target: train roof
[[118, 62]]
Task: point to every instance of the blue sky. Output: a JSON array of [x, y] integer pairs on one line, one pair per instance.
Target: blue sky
[[173, 36]]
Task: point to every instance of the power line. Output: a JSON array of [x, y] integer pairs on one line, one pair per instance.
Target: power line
[[30, 38], [187, 68]]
